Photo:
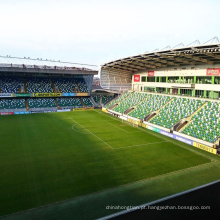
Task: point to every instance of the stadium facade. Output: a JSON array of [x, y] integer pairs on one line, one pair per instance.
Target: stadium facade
[[181, 87], [193, 71]]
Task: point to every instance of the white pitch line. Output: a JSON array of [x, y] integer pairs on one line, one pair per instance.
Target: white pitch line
[[139, 145], [78, 131], [92, 133], [122, 128]]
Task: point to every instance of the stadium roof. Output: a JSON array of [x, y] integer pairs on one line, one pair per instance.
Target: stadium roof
[[168, 57], [8, 63]]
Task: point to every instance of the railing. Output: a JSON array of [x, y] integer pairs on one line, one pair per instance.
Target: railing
[[43, 67]]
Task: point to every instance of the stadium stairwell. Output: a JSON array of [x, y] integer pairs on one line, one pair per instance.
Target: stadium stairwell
[[82, 103], [150, 116], [26, 104], [58, 107], [25, 86], [93, 102], [53, 86], [190, 117], [117, 103], [134, 107], [156, 112], [77, 86]]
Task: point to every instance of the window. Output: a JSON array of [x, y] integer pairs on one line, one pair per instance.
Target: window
[[151, 79], [163, 79], [217, 80], [143, 79], [204, 80], [173, 79]]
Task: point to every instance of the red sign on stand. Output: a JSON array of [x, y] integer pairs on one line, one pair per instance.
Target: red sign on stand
[[150, 73], [137, 78], [213, 72]]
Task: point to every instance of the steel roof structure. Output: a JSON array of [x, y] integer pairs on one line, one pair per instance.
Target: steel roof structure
[[27, 65], [176, 57]]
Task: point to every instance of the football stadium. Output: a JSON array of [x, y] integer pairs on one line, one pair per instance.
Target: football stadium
[[149, 133]]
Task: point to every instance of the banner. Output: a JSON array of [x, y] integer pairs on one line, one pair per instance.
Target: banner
[[22, 94], [104, 110], [204, 147], [69, 94], [82, 94], [64, 110], [42, 111], [76, 109], [46, 94], [213, 72], [144, 125], [3, 95], [6, 113], [137, 78], [153, 128], [150, 73], [21, 113], [174, 136], [134, 121]]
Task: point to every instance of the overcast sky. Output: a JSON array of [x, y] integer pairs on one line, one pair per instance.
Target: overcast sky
[[99, 31]]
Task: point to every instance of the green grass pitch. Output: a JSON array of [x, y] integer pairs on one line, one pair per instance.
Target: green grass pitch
[[80, 156]]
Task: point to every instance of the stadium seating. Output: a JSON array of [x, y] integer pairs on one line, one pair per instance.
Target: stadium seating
[[65, 84], [151, 104], [205, 124], [12, 103], [69, 102], [106, 98], [103, 98], [132, 100], [87, 102], [118, 99], [97, 98], [10, 84], [41, 103], [82, 85], [177, 109], [38, 84]]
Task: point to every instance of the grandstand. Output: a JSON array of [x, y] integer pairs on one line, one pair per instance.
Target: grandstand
[[36, 85], [174, 91]]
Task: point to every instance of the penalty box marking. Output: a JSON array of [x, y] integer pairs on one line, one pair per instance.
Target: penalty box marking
[[113, 148], [122, 128]]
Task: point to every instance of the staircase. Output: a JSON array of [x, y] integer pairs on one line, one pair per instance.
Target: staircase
[[126, 112], [150, 116], [82, 103], [190, 117], [112, 106], [165, 105], [53, 86], [77, 86], [93, 102], [26, 104], [135, 106], [58, 107], [155, 113], [25, 86]]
